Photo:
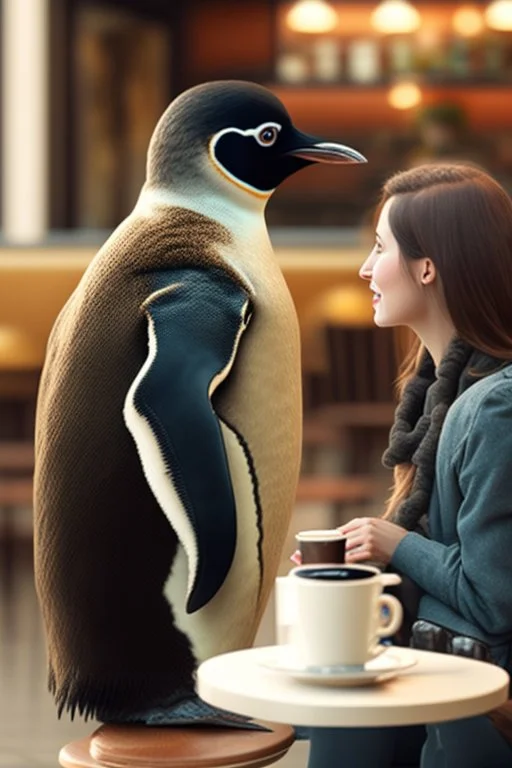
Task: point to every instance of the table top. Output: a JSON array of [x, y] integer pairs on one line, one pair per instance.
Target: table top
[[438, 687]]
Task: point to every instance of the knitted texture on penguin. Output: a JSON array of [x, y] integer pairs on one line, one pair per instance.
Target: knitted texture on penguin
[[168, 430]]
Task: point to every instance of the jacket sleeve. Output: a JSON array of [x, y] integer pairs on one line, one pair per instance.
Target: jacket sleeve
[[473, 575]]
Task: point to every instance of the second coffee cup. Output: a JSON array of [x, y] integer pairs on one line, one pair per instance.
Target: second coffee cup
[[321, 546]]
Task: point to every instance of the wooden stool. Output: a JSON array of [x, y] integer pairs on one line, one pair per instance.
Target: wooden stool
[[113, 746]]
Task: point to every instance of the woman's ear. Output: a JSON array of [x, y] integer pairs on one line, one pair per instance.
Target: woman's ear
[[428, 272]]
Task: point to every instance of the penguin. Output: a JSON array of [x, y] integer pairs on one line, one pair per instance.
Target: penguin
[[168, 420]]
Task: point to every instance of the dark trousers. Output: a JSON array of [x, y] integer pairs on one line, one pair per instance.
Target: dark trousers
[[470, 743], [366, 747]]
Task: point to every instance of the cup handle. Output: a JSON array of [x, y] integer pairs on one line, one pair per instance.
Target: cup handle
[[377, 650], [390, 579], [396, 615]]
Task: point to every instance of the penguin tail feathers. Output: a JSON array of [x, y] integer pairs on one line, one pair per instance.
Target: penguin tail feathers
[[112, 701]]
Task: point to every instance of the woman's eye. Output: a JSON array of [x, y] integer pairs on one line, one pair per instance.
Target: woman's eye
[[267, 136]]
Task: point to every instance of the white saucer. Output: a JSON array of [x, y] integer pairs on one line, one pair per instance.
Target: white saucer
[[386, 666]]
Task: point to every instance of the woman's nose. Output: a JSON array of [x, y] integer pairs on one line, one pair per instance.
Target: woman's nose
[[365, 273]]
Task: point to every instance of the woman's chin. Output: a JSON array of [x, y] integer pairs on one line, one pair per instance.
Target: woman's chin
[[382, 320], [379, 318]]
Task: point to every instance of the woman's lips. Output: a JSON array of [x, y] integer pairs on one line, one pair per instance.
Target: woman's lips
[[376, 294]]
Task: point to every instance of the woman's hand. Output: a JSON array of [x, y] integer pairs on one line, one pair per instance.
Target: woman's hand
[[296, 558], [371, 538]]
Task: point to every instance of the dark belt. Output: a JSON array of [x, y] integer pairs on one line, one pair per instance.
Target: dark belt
[[430, 637], [426, 636]]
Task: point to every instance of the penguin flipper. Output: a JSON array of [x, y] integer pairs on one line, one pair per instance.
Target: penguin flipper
[[195, 323]]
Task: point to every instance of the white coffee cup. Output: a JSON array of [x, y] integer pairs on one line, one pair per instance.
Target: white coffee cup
[[340, 616], [285, 610]]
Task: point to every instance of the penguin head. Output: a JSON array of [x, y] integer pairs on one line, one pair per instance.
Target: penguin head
[[237, 136]]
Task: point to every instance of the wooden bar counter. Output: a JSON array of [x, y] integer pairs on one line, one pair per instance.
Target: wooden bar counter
[[35, 283]]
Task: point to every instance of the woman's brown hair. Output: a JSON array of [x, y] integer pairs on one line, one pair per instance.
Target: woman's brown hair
[[461, 219]]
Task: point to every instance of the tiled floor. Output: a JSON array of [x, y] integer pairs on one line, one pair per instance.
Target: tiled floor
[[30, 733]]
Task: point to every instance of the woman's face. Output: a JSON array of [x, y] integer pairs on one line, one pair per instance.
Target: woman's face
[[398, 294]]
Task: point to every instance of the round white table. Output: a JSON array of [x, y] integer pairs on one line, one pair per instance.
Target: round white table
[[439, 687]]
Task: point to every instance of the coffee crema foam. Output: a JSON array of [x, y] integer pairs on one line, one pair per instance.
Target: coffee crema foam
[[318, 535]]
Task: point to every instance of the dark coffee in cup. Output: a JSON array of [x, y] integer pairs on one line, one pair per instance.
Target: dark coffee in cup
[[321, 547], [335, 574]]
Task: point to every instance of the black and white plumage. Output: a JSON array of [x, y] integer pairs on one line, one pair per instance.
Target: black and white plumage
[[169, 415]]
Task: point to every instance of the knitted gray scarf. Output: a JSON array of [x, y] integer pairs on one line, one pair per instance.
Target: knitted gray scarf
[[419, 419]]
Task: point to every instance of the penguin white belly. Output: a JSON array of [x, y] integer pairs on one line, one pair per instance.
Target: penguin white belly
[[264, 402]]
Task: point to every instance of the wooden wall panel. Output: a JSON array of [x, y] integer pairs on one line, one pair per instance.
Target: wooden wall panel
[[229, 39]]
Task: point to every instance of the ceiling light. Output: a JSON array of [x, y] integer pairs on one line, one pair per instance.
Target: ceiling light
[[395, 17], [498, 15], [468, 21], [312, 17], [404, 96]]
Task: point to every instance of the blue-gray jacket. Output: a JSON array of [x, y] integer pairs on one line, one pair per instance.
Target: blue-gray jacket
[[465, 568]]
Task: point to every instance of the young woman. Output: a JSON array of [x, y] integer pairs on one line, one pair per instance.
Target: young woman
[[442, 266]]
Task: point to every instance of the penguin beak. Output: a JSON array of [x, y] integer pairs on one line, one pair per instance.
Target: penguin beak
[[318, 151]]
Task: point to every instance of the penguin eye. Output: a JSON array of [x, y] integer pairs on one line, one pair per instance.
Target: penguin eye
[[267, 136]]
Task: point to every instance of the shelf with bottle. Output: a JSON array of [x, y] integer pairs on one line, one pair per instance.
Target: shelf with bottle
[[370, 61]]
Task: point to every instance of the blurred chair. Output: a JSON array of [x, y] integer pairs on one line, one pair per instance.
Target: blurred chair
[[16, 483], [348, 400], [19, 375], [362, 364], [193, 747], [338, 491], [323, 478], [362, 368]]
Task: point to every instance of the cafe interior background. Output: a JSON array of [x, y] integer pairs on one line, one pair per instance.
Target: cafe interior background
[[83, 84]]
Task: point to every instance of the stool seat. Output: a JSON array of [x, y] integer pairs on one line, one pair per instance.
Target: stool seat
[[116, 746]]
